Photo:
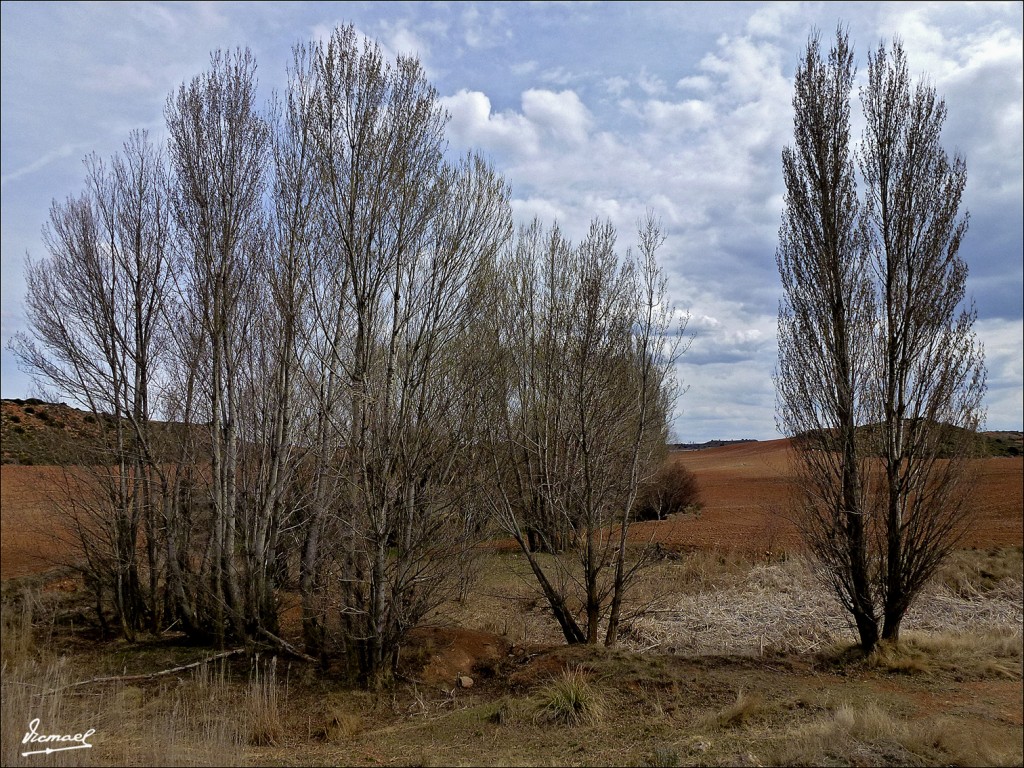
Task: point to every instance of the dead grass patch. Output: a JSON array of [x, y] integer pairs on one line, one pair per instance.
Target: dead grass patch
[[996, 653], [740, 712], [784, 607], [868, 734]]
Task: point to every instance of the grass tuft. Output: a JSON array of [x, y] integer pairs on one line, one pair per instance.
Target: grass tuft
[[570, 700], [265, 728], [740, 711], [664, 756]]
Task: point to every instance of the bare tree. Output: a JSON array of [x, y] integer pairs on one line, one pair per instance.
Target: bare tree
[[878, 373], [404, 235], [929, 374], [95, 306], [825, 327], [580, 394], [218, 150]]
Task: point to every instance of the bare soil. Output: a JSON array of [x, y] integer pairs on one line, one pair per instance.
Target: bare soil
[[748, 490], [957, 699]]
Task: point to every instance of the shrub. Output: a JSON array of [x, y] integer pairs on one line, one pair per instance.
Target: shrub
[[673, 489], [570, 700]]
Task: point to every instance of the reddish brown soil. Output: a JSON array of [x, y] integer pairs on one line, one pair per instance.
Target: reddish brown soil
[[746, 490], [747, 493], [448, 652], [33, 534]]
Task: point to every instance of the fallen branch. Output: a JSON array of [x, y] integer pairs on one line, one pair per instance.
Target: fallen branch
[[147, 676], [286, 646]]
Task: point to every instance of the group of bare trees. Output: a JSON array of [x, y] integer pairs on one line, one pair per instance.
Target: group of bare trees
[[583, 386], [319, 356], [880, 377]]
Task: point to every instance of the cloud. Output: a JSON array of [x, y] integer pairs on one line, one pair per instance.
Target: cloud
[[60, 153], [474, 125], [616, 85], [561, 115], [484, 26], [700, 83], [402, 40], [1003, 342], [672, 118], [549, 121], [650, 84], [774, 19]]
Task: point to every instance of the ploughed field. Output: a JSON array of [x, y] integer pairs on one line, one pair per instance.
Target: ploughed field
[[746, 489], [748, 492]]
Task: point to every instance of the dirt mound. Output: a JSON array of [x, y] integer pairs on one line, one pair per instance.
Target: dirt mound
[[438, 655]]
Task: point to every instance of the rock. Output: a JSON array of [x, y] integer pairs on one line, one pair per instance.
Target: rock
[[464, 681]]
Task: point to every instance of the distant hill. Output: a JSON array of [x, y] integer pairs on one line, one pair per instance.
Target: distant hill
[[36, 432], [1005, 443], [708, 444], [993, 444]]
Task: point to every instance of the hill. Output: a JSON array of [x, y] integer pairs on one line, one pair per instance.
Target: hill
[[36, 432]]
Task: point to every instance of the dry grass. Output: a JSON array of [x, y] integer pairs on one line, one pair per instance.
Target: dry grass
[[739, 712], [190, 722], [967, 655], [571, 700], [942, 697], [785, 607], [973, 572], [868, 734], [265, 728]]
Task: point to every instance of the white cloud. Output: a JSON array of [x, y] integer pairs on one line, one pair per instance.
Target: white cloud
[[561, 115], [650, 84], [407, 42], [524, 68], [473, 124], [485, 26], [616, 86], [678, 117], [557, 76], [699, 83], [774, 19]]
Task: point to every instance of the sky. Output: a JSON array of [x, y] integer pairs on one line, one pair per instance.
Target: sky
[[588, 109]]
